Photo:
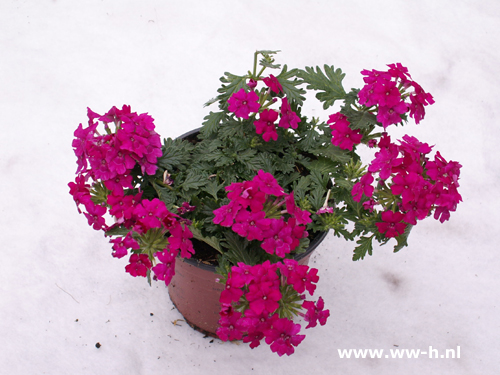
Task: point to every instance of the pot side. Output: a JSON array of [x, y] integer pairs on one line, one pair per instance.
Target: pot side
[[195, 292]]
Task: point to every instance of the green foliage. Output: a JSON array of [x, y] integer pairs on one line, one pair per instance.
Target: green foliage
[[328, 83], [176, 154], [364, 246], [238, 249], [289, 82], [303, 160]]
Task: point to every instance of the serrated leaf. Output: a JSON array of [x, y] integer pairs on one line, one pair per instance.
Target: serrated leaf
[[166, 195], [402, 239], [194, 180], [211, 123], [347, 185], [323, 165], [333, 152], [364, 246], [211, 241], [117, 231], [176, 154], [329, 83], [237, 249], [361, 119], [310, 140], [267, 60], [290, 82], [233, 83], [213, 188]]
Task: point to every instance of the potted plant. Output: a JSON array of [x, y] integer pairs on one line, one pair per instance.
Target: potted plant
[[258, 181]]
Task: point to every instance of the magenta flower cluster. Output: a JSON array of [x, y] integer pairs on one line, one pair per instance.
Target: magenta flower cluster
[[388, 91], [260, 210], [260, 291], [105, 184], [242, 103], [419, 185]]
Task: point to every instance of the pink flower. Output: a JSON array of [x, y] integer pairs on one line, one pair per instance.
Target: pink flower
[[325, 210], [302, 216], [288, 266], [273, 83], [391, 225], [250, 195], [231, 327], [391, 115], [80, 144], [387, 94], [80, 191], [407, 185], [120, 161], [184, 208], [363, 186], [419, 99], [265, 125], [283, 336], [288, 117], [315, 313], [263, 296], [139, 265], [278, 238], [165, 270], [118, 183], [342, 135], [242, 103], [251, 225], [303, 278], [122, 206], [232, 291], [150, 213], [369, 205], [268, 184], [121, 244], [399, 71], [385, 160], [226, 214], [180, 239], [252, 83], [95, 214]]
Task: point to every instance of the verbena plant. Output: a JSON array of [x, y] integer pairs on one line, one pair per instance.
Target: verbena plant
[[258, 180]]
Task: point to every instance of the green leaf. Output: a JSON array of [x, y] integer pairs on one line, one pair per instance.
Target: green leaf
[[290, 82], [403, 238], [362, 119], [213, 188], [211, 241], [333, 152], [364, 246], [345, 184], [176, 154], [238, 249], [267, 60], [211, 123], [323, 165], [117, 231], [194, 180], [231, 84], [329, 83], [166, 195]]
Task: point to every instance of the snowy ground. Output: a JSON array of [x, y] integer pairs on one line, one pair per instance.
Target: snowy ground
[[61, 292]]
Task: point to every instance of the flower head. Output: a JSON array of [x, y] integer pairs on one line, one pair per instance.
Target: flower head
[[242, 103]]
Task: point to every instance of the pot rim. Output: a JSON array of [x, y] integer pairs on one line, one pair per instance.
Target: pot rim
[[312, 246]]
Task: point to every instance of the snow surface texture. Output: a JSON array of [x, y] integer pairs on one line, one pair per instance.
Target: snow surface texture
[[61, 292]]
